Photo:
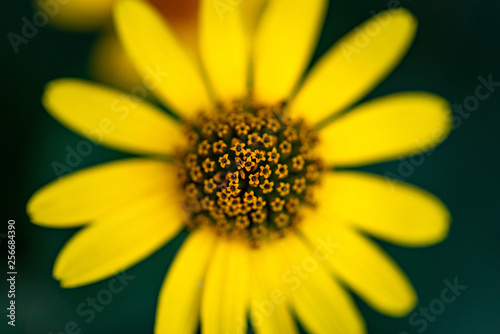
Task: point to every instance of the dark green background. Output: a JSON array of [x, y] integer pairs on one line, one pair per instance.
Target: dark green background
[[457, 41]]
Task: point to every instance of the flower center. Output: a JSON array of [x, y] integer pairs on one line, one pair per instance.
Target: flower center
[[246, 170]]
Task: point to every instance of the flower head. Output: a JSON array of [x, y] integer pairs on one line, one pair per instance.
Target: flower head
[[254, 177], [239, 169]]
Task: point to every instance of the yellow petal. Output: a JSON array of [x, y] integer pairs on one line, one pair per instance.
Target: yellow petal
[[180, 295], [388, 209], [284, 42], [77, 14], [355, 65], [119, 240], [225, 297], [322, 305], [269, 300], [77, 198], [361, 264], [111, 118], [386, 128], [224, 48], [165, 66], [253, 11]]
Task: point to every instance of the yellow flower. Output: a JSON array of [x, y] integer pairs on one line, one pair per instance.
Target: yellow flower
[[242, 259], [108, 61]]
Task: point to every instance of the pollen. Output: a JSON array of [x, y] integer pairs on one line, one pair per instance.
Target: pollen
[[246, 170]]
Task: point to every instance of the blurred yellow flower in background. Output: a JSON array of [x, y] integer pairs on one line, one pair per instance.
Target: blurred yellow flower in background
[[108, 61], [110, 64], [277, 228]]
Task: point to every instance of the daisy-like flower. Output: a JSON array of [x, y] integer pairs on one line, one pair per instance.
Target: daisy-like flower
[[108, 61], [294, 243]]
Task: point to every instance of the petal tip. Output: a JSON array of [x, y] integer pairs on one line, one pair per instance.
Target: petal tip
[[441, 227], [405, 307], [406, 18], [404, 13], [56, 89], [30, 206], [60, 274], [48, 92], [33, 209], [445, 223], [67, 285]]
